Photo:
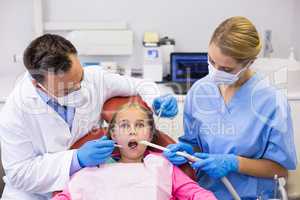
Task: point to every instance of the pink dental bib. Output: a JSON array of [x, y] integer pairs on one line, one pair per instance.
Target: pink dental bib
[[151, 180]]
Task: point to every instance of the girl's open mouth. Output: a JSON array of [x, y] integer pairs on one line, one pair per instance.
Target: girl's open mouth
[[132, 144]]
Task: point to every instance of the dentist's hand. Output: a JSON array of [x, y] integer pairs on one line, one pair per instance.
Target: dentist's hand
[[170, 154], [95, 152], [216, 165], [167, 105]]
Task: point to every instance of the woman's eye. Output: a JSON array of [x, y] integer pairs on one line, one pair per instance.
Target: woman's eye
[[227, 70]]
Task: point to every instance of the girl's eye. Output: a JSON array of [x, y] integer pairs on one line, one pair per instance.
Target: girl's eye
[[124, 125], [140, 125]]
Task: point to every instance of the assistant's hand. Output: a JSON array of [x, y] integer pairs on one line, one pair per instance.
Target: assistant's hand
[[170, 154], [95, 152], [167, 105], [216, 165]]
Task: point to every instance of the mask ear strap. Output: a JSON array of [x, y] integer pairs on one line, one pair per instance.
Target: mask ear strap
[[38, 85], [249, 63], [41, 87], [34, 82]]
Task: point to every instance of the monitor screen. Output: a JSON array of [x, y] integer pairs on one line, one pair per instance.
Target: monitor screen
[[188, 67]]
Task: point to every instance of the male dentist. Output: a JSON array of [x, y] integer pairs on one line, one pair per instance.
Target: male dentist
[[51, 107]]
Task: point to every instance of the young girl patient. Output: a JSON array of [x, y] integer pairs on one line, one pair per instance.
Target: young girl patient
[[136, 173]]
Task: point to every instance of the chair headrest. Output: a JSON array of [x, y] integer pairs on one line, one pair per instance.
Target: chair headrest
[[113, 104]]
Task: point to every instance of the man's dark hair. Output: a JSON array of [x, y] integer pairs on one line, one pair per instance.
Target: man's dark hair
[[48, 53]]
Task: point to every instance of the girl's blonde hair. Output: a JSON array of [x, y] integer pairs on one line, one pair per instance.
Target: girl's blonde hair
[[238, 38], [149, 114]]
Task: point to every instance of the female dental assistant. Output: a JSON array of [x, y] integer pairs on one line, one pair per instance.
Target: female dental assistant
[[240, 123]]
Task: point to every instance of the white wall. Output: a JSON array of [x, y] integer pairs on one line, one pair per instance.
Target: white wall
[[16, 23], [191, 22], [296, 33]]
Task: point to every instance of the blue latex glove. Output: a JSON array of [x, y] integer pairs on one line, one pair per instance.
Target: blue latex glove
[[95, 152], [173, 148], [168, 105], [216, 165]]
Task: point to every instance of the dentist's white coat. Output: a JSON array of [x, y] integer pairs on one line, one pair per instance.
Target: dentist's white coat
[[35, 139]]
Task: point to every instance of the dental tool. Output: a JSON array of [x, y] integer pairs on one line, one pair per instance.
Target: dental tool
[[180, 153], [160, 110], [117, 145], [279, 189], [159, 114], [275, 186], [224, 180]]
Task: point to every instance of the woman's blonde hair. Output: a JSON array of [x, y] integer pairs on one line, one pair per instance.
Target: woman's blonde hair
[[238, 38], [148, 113]]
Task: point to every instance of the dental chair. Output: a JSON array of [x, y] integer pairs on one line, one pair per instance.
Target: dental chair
[[109, 108]]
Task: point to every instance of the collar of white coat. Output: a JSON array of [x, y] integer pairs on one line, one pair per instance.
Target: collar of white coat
[[28, 90], [25, 97]]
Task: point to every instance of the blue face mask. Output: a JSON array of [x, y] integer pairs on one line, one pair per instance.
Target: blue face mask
[[223, 78]]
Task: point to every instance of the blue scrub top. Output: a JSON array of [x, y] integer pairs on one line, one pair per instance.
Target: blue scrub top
[[256, 123]]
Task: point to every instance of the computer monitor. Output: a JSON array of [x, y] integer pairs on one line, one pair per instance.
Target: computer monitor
[[188, 67]]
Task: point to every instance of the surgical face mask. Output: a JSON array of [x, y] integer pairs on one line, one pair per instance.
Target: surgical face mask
[[223, 78], [75, 99]]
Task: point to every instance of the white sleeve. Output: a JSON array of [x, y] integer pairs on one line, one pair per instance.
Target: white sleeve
[[117, 85], [26, 169]]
